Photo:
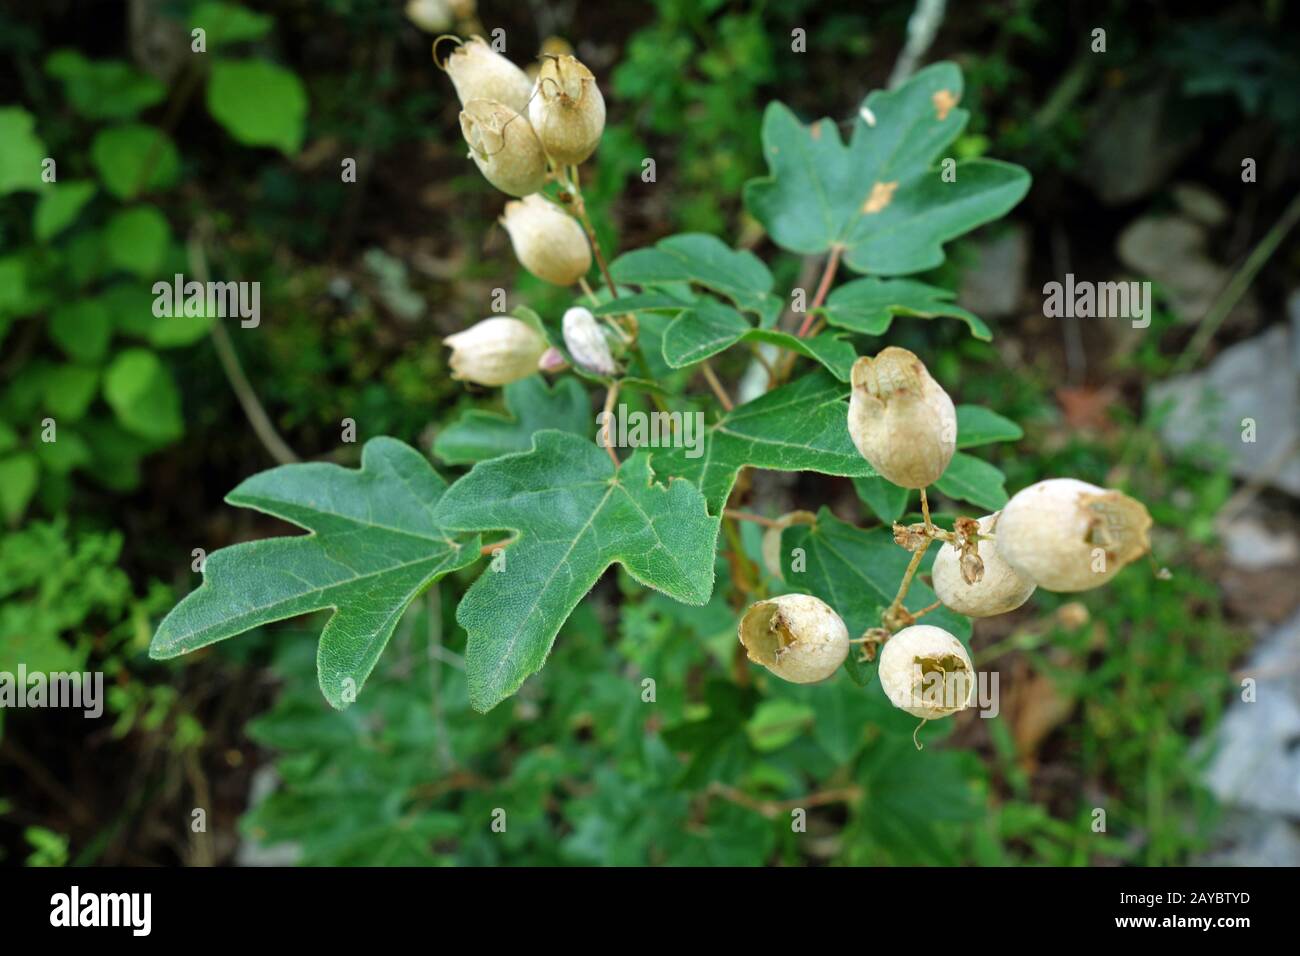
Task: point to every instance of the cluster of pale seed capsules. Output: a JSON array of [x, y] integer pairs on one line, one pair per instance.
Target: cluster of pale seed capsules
[[523, 134], [1060, 535]]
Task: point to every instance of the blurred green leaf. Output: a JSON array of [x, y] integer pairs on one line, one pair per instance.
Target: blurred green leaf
[[137, 240], [886, 500], [21, 152], [82, 328], [977, 425], [103, 89], [227, 23], [127, 154], [143, 395], [18, 478], [259, 103], [59, 205]]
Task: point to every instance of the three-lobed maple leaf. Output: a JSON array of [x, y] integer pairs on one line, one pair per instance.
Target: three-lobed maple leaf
[[374, 546], [573, 514]]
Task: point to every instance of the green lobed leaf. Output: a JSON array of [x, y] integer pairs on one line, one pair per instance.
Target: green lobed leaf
[[531, 406], [880, 199], [869, 306], [706, 261], [375, 544], [857, 572], [977, 425], [709, 327], [801, 426], [258, 103], [573, 515], [971, 479]]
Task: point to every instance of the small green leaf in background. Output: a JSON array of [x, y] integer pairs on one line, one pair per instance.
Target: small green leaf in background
[[59, 205], [13, 283], [103, 89], [259, 103], [144, 396], [884, 498], [68, 452], [881, 198], [531, 405], [857, 572], [19, 475], [69, 390], [226, 23], [801, 426], [573, 516], [124, 154], [375, 544], [21, 152], [136, 240], [971, 479], [82, 328], [869, 306], [977, 425], [777, 722], [706, 261]]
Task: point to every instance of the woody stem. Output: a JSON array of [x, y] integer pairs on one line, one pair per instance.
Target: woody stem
[[823, 287], [907, 583]]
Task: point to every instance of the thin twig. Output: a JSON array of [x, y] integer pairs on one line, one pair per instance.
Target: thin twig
[[750, 516], [611, 397], [1238, 285], [226, 355], [823, 287], [718, 390]]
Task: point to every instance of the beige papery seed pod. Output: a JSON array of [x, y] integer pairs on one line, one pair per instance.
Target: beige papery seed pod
[[901, 419], [567, 110], [1068, 535], [548, 242], [504, 147], [481, 73], [496, 351], [795, 636], [586, 342], [999, 589], [926, 672]]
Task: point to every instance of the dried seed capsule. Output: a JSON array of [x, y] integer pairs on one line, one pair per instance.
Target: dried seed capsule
[[1068, 535], [586, 342], [795, 636], [901, 419], [504, 147], [567, 110], [496, 351], [926, 671], [548, 243], [999, 589], [481, 73]]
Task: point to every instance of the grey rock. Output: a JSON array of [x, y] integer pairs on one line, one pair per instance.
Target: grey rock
[[1257, 379], [1256, 763], [994, 284], [1132, 150]]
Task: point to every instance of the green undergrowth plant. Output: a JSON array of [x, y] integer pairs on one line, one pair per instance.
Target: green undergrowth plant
[[88, 387], [555, 497]]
